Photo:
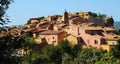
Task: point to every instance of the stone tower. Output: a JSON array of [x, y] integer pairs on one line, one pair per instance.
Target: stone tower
[[65, 17]]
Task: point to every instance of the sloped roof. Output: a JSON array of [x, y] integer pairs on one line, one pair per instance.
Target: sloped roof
[[49, 32]]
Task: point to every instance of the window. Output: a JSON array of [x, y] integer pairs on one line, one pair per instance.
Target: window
[[42, 36], [96, 42], [53, 38], [88, 41], [92, 33], [112, 43]]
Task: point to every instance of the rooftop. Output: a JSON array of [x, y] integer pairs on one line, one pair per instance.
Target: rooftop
[[112, 37], [49, 32], [86, 27]]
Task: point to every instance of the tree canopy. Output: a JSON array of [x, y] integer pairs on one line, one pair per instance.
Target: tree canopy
[[4, 5]]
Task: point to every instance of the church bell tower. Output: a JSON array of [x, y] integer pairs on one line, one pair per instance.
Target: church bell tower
[[65, 17]]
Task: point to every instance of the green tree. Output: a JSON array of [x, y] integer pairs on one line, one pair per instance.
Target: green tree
[[31, 58], [47, 53], [93, 14], [76, 49], [30, 55], [64, 46], [116, 50], [4, 5], [30, 43], [54, 55], [107, 58], [8, 45], [51, 54], [102, 15], [88, 56], [67, 59], [40, 18]]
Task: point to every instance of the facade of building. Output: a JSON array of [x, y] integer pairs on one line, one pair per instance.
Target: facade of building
[[98, 37], [52, 37], [89, 17], [51, 18], [77, 20]]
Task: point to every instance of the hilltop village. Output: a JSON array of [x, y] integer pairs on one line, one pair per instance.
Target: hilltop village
[[84, 28]]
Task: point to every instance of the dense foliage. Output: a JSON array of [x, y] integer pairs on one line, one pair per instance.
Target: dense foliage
[[65, 54], [10, 46]]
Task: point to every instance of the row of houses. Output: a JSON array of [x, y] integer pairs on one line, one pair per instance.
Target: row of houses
[[85, 35], [77, 29]]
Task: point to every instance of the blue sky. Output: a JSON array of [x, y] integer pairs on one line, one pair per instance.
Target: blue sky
[[22, 10]]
